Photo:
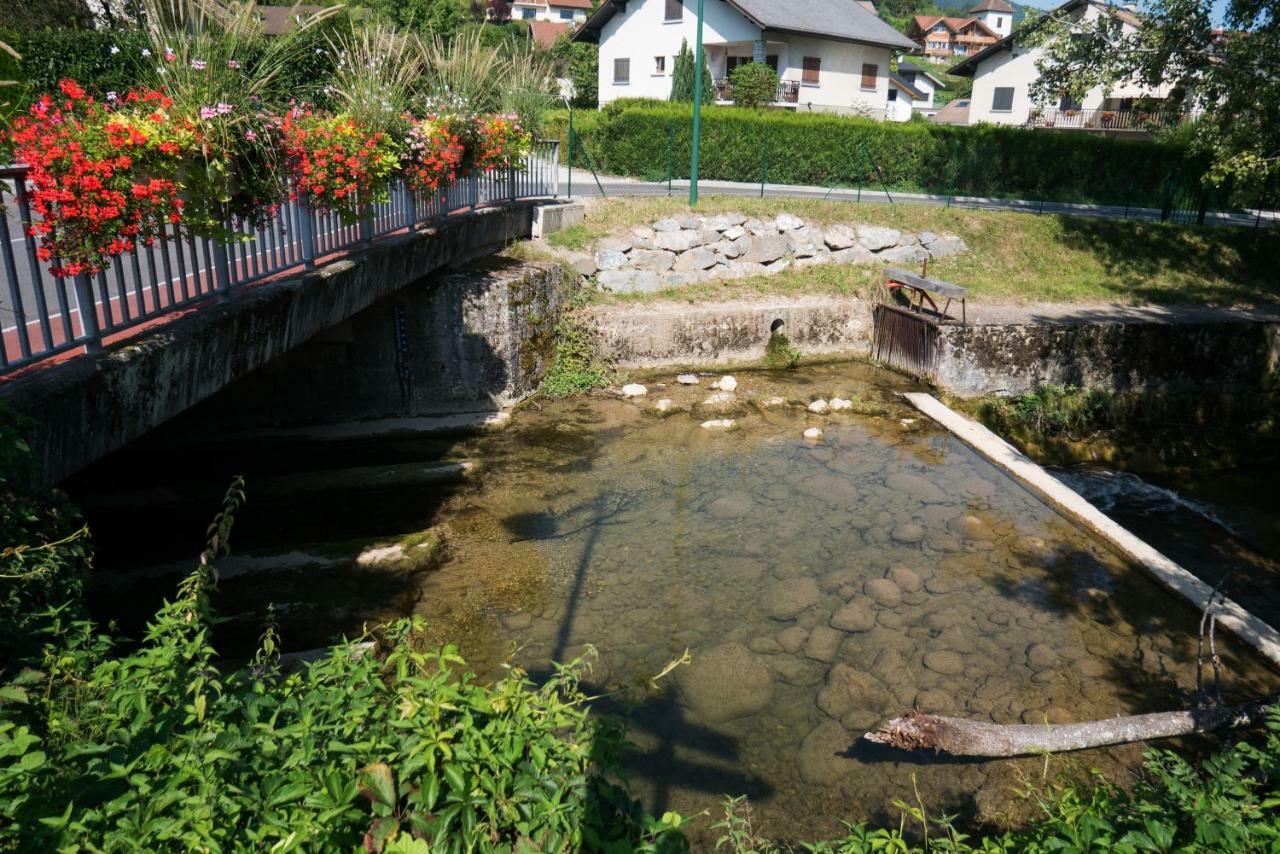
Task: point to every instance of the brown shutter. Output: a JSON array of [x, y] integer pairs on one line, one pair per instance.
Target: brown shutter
[[675, 10], [869, 72], [812, 69]]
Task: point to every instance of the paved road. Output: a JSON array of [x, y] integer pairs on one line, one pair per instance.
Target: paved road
[[584, 184]]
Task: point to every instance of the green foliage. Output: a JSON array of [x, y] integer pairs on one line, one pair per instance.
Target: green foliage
[[754, 85], [683, 77], [388, 749], [579, 62], [441, 18], [575, 366], [780, 353], [818, 149], [1053, 411]]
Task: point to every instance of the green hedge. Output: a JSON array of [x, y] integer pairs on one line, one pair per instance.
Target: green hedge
[[822, 149]]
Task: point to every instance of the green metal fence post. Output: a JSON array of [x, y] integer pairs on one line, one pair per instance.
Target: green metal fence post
[[571, 151], [697, 110], [671, 156], [764, 162]]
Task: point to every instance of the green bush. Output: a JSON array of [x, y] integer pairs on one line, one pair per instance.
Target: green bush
[[397, 749], [683, 77], [823, 149], [754, 85]]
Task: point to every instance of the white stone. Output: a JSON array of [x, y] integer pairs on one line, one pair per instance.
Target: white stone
[[764, 250], [805, 241], [839, 404], [725, 384], [734, 233], [677, 241], [634, 390], [666, 225], [853, 255], [840, 237], [610, 259], [691, 221], [663, 405], [718, 424], [615, 244], [657, 260], [813, 433], [876, 237], [819, 407], [779, 266], [695, 260], [629, 281], [788, 222], [904, 254], [687, 379]]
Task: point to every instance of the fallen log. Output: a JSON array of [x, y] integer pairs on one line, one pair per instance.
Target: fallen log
[[960, 737]]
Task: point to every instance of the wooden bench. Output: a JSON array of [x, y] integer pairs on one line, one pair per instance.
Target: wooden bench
[[919, 290]]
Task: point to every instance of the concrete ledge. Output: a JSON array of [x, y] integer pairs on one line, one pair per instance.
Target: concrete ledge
[[668, 334], [88, 406], [1246, 626]]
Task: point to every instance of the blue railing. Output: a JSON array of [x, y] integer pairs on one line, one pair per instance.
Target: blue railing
[[42, 316]]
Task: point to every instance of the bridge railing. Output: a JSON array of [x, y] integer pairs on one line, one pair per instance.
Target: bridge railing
[[42, 316]]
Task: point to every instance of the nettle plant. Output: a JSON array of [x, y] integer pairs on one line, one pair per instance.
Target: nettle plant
[[390, 749]]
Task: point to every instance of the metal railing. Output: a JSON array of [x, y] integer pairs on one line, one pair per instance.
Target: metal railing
[[1121, 120], [788, 91], [42, 316]]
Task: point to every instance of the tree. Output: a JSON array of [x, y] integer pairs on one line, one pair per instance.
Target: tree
[[1230, 74], [754, 85], [682, 77], [499, 11], [439, 17], [579, 62]]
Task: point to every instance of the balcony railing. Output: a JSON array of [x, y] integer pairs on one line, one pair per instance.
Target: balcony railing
[[41, 316], [1116, 120], [788, 91]]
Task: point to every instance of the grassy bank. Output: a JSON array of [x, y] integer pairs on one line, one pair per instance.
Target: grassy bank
[[1011, 258]]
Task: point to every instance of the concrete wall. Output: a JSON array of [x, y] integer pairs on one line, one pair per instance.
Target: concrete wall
[[88, 406], [706, 335], [1200, 356], [475, 340]]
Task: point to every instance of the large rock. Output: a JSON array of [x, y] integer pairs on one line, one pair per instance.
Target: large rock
[[915, 486], [822, 756], [692, 221], [695, 260], [904, 255], [742, 270], [805, 242], [657, 260], [941, 247], [792, 638], [945, 662], [724, 683], [630, 281], [822, 256], [840, 237], [907, 579], [853, 255], [849, 690], [823, 644], [719, 223], [788, 222], [884, 591], [583, 265], [786, 599], [734, 233], [765, 250], [614, 244], [875, 237], [726, 248], [677, 241], [760, 229], [854, 617], [610, 259], [666, 225]]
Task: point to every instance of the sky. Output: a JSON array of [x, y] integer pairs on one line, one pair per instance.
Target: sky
[[1219, 7]]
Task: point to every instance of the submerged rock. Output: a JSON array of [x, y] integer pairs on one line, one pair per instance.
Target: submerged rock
[[725, 682], [786, 599], [945, 662], [687, 379], [813, 434], [634, 390], [823, 644], [792, 639], [819, 407], [718, 424], [726, 383], [884, 591], [822, 758], [854, 617]]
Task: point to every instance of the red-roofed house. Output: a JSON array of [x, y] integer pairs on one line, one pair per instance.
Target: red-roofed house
[[939, 36], [559, 11], [545, 33]]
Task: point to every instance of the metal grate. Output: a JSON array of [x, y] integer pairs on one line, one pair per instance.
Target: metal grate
[[905, 340]]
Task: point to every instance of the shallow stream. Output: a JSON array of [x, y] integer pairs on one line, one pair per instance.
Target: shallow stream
[[820, 587]]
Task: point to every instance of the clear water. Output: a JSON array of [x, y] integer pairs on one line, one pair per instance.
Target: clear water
[[596, 522]]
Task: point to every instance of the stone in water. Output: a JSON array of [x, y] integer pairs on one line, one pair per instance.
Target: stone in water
[[634, 390], [687, 379], [725, 384], [813, 433], [718, 424], [819, 407], [839, 404]]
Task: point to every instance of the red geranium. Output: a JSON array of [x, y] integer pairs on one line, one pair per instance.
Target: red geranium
[[98, 182], [341, 166]]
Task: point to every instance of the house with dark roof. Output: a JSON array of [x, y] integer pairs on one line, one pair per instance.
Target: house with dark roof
[[831, 55], [1005, 73], [921, 80]]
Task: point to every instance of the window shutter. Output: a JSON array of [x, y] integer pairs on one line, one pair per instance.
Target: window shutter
[[622, 71], [675, 10], [1002, 101], [812, 70], [869, 73]]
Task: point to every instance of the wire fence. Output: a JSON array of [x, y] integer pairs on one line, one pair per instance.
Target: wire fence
[[42, 315]]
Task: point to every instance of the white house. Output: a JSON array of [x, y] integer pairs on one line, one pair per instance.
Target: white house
[[558, 11], [996, 14], [923, 81], [832, 55], [1003, 75], [902, 98]]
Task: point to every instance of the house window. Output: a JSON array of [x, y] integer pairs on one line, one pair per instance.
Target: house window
[[528, 14], [869, 73], [893, 95], [812, 70], [999, 22], [659, 65], [675, 10], [1002, 101], [621, 72], [566, 14]]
